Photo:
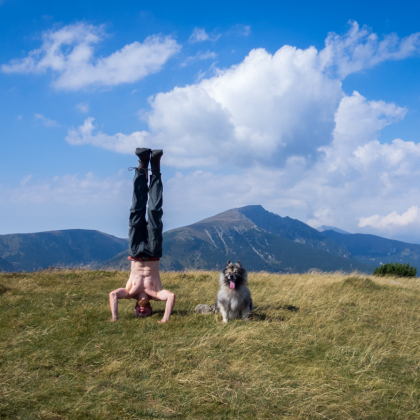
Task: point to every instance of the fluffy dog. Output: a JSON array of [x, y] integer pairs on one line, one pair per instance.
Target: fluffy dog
[[234, 298]]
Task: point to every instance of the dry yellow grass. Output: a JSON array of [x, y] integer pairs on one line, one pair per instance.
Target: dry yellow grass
[[319, 346]]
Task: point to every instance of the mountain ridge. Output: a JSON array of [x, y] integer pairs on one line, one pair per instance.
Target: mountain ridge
[[283, 245], [376, 250], [263, 240], [61, 248]]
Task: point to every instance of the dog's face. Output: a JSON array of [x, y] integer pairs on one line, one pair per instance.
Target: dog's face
[[234, 275]]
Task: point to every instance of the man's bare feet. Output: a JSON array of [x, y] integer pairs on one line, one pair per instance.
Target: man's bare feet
[[113, 320]]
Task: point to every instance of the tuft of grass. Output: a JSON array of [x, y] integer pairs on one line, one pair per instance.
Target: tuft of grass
[[363, 283], [318, 346]]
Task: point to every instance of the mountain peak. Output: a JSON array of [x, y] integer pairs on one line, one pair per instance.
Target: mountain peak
[[228, 216], [323, 228]]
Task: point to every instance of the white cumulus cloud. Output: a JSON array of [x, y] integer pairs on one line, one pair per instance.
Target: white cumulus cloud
[[341, 188], [260, 110], [268, 107], [410, 217], [69, 53], [89, 134]]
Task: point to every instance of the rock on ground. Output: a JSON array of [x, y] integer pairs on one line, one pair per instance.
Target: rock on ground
[[204, 309]]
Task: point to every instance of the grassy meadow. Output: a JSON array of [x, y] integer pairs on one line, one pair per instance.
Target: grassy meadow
[[319, 346]]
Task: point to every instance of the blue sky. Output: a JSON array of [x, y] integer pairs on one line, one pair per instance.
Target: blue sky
[[310, 109]]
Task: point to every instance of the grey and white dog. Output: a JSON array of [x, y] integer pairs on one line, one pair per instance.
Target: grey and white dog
[[234, 298]]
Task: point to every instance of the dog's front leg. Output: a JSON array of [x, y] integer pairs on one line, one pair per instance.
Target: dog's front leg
[[223, 311]]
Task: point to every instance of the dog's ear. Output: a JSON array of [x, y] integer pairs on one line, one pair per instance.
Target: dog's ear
[[228, 262], [239, 263]]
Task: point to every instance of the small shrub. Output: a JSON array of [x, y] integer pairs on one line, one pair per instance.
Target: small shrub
[[396, 270]]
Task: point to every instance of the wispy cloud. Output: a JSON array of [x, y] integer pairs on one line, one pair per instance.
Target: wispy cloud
[[207, 55], [83, 107], [71, 201], [25, 180], [46, 121], [200, 35], [69, 54], [240, 30], [70, 189], [360, 49]]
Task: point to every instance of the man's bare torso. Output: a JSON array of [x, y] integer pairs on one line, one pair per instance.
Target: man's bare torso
[[144, 277]]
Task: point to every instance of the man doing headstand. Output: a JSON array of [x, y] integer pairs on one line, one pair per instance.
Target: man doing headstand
[[145, 247]]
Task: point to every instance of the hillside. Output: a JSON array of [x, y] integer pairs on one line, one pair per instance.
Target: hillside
[[262, 240], [63, 248], [318, 346], [375, 250]]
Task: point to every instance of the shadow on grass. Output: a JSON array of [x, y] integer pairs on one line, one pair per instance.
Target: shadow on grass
[[265, 312], [176, 312], [4, 289]]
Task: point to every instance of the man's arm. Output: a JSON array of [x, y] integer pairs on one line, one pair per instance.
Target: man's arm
[[120, 294], [169, 297], [113, 301]]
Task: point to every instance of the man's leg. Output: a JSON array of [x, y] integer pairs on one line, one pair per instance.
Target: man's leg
[[169, 297], [155, 212], [155, 228], [113, 301], [137, 223]]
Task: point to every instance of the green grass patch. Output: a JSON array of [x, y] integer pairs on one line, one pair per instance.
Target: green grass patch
[[318, 346]]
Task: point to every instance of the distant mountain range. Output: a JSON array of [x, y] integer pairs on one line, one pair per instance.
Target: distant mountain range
[[260, 239], [375, 250], [64, 248]]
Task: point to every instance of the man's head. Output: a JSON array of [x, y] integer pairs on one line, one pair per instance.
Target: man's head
[[143, 308]]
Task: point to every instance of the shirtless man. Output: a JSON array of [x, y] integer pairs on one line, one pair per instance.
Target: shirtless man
[[145, 242]]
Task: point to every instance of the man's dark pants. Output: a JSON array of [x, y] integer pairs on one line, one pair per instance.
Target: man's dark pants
[[146, 237]]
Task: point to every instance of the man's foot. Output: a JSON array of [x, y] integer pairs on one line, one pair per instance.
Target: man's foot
[[143, 153], [155, 160]]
